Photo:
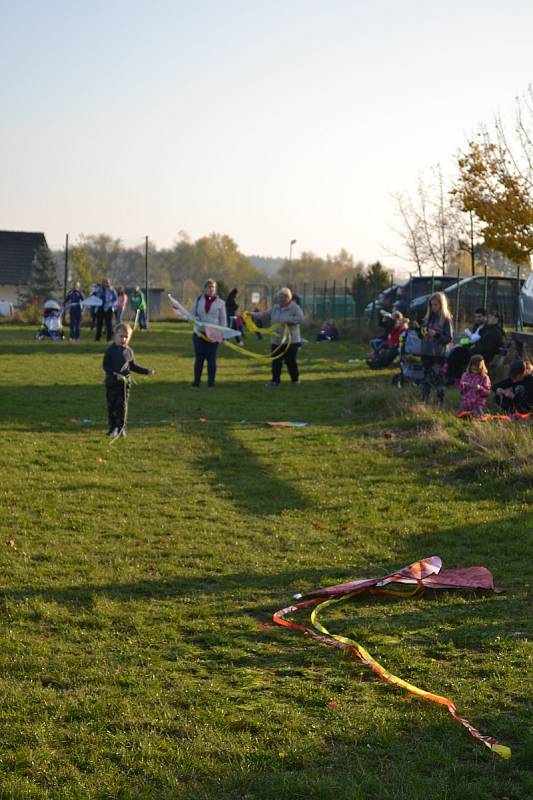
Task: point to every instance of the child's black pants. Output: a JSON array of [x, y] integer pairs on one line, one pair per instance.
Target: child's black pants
[[117, 394]]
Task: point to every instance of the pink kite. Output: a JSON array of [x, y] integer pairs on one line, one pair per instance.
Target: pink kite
[[422, 575]]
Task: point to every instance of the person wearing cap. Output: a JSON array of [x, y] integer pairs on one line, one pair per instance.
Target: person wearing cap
[[515, 393], [284, 312]]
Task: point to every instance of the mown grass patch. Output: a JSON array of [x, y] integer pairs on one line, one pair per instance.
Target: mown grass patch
[[138, 656]]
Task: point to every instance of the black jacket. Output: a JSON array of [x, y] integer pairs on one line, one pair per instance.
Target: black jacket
[[119, 362], [522, 392], [491, 339]]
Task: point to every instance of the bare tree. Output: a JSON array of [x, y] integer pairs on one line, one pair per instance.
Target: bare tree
[[431, 223], [517, 144], [411, 232]]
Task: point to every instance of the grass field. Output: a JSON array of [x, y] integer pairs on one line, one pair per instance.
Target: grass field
[[137, 655]]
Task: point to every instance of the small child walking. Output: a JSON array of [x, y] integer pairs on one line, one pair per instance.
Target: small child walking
[[474, 386], [119, 361]]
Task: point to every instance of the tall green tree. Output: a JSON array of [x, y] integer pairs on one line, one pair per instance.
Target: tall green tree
[[368, 282], [43, 282]]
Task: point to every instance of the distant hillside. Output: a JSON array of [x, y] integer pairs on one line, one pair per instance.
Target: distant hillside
[[267, 265]]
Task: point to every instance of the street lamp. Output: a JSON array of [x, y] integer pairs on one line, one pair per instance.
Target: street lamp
[[293, 241]]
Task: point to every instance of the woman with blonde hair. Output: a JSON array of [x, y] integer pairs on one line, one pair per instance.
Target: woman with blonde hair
[[436, 334]]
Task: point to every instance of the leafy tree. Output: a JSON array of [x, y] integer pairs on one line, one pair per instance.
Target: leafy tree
[[368, 282], [43, 282], [490, 187], [82, 265], [310, 268], [214, 256]]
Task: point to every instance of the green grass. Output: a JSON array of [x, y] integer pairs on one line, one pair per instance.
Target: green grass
[[138, 658]]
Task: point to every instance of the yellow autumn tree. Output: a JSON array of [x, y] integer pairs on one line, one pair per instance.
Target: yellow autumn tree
[[499, 196]]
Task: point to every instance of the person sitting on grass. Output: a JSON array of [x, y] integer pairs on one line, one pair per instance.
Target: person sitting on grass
[[119, 361], [474, 386], [391, 346], [515, 393], [328, 332]]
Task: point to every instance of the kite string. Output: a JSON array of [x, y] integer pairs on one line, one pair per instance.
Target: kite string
[[345, 643], [278, 352]]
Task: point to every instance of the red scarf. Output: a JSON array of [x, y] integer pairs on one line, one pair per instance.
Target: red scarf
[[209, 302]]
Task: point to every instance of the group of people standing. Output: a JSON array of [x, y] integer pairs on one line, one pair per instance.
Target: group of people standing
[[208, 309], [108, 312]]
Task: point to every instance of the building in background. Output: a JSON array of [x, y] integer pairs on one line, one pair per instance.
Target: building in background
[[17, 257]]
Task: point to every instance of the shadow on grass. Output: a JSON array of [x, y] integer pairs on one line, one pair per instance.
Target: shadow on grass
[[236, 471], [52, 404]]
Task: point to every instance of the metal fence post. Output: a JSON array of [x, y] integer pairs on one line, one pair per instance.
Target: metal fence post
[[457, 300], [519, 320], [345, 299], [146, 284], [65, 281]]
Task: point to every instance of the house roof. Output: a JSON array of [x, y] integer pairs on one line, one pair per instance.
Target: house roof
[[17, 251]]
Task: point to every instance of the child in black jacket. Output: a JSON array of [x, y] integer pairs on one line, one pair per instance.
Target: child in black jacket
[[119, 361]]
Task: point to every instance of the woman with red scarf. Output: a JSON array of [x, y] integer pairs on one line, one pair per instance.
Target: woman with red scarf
[[207, 308]]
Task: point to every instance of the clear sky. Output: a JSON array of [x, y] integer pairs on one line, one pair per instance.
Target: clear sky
[[267, 121]]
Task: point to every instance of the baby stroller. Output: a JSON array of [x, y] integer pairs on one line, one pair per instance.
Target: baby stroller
[[52, 324], [411, 368]]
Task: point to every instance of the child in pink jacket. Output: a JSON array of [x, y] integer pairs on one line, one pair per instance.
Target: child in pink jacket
[[474, 386]]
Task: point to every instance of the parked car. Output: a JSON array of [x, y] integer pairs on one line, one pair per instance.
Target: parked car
[[502, 295], [385, 300], [526, 300], [420, 286]]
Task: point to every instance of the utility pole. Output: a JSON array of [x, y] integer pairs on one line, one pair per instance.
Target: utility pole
[[146, 281], [65, 277], [293, 241]]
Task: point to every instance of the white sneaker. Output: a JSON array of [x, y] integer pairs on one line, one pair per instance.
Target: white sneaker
[[122, 433], [112, 434]]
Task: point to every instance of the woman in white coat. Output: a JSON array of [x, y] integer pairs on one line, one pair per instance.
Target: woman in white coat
[[207, 308]]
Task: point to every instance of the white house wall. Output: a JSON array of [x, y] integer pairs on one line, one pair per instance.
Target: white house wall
[[9, 293]]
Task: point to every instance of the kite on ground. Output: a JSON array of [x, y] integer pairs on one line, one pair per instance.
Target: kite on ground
[[515, 415], [421, 575]]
